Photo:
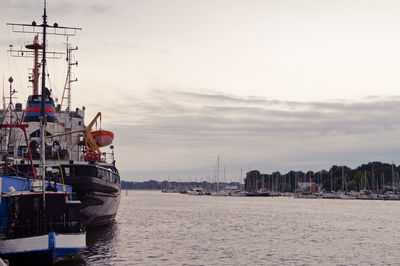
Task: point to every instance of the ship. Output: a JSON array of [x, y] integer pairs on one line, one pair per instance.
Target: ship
[[70, 145], [39, 219], [39, 224]]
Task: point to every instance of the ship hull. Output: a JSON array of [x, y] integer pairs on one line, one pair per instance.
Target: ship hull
[[46, 249], [100, 198], [99, 209], [97, 187]]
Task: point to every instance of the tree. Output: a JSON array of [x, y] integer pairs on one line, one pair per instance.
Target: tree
[[352, 186], [359, 180]]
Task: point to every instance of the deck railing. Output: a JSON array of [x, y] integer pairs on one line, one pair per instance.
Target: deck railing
[[34, 229]]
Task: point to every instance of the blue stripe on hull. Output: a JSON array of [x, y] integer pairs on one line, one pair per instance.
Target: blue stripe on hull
[[39, 105], [38, 114], [67, 253], [43, 256]]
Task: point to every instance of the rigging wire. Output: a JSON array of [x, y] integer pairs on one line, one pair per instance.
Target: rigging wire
[[54, 88], [50, 83], [8, 56], [13, 63]]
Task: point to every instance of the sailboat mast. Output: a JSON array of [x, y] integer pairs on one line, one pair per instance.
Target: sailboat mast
[[218, 173], [342, 179], [224, 174], [4, 98], [366, 180], [41, 117], [392, 178], [373, 178]]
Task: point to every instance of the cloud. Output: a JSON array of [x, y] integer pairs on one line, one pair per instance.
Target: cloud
[[57, 7], [20, 4], [223, 115], [172, 130], [128, 45], [125, 45]]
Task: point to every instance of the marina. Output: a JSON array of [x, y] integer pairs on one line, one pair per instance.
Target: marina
[[199, 133]]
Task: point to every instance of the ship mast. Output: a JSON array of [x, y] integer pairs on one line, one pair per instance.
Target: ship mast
[[35, 54], [67, 88], [41, 117], [55, 30], [35, 72]]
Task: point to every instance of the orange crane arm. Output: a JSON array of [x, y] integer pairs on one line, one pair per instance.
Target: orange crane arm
[[90, 142]]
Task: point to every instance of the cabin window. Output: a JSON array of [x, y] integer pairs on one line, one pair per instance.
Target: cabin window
[[99, 173], [22, 150], [66, 171], [85, 171], [108, 176]]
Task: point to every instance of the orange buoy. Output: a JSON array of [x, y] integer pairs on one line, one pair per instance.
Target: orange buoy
[[103, 137]]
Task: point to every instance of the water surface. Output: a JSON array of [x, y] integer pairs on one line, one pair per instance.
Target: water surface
[[154, 228]]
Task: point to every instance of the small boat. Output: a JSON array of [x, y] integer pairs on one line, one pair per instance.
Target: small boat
[[227, 191], [196, 191], [103, 137], [39, 226], [221, 193], [238, 193], [258, 194]]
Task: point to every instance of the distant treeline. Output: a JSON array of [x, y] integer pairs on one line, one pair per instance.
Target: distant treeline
[[178, 186], [375, 176]]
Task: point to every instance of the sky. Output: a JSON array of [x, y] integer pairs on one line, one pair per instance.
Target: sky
[[273, 85]]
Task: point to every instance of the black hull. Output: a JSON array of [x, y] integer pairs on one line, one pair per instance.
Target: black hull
[[258, 194], [100, 198], [27, 258], [98, 208], [97, 186], [45, 257]]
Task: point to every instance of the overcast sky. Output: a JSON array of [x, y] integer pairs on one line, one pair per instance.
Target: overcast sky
[[272, 85]]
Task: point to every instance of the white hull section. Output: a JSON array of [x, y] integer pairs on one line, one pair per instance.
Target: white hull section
[[238, 194], [220, 193], [70, 240], [193, 193], [28, 244]]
